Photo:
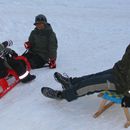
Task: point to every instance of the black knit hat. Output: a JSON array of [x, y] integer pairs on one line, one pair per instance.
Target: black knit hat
[[40, 18]]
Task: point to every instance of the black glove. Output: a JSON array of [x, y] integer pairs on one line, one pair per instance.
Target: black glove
[[125, 102]]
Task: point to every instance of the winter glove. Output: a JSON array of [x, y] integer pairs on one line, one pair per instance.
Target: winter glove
[[27, 45], [7, 43], [125, 102], [52, 63]]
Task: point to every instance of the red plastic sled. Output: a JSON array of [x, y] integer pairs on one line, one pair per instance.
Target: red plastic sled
[[12, 79]]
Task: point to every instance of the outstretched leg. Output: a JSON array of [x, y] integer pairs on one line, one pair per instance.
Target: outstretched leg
[[85, 85]]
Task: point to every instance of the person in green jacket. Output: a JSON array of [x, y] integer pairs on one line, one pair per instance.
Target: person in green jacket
[[116, 79], [42, 44]]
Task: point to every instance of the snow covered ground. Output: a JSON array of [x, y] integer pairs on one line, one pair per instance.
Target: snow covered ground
[[92, 36]]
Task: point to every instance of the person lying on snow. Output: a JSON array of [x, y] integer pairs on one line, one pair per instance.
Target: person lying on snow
[[7, 60], [115, 79], [42, 44]]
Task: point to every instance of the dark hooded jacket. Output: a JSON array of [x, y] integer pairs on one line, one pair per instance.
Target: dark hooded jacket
[[44, 43], [121, 71]]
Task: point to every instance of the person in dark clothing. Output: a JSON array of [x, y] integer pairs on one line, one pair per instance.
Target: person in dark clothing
[[115, 79], [42, 44], [8, 61]]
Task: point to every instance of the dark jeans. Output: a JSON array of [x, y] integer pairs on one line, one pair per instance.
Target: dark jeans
[[17, 65], [3, 69], [35, 60], [90, 84]]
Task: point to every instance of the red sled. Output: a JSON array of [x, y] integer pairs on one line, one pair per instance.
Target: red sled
[[11, 80]]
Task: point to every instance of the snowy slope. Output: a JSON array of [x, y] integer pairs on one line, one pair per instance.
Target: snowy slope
[[92, 36]]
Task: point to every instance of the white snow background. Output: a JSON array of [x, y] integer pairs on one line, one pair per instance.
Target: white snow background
[[92, 36]]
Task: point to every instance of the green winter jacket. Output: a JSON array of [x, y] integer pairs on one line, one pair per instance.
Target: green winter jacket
[[44, 43], [121, 71]]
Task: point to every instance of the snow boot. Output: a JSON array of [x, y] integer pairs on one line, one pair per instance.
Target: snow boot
[[28, 78], [50, 93], [65, 81]]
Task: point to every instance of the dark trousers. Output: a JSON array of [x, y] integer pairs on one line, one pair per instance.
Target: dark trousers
[[90, 84], [35, 60], [17, 65], [3, 69]]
